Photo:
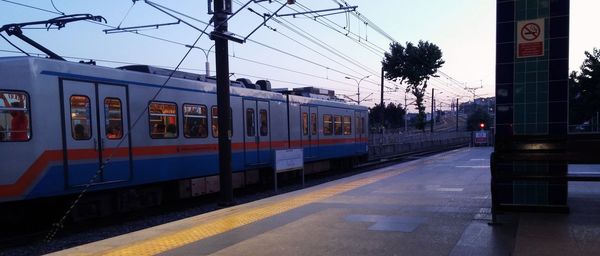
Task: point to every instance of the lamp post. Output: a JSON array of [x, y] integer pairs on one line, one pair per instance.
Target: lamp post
[[358, 85], [206, 53]]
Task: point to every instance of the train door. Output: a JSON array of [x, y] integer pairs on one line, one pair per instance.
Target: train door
[[360, 130], [309, 131], [314, 134], [264, 132], [250, 137], [257, 134], [85, 134], [113, 128]]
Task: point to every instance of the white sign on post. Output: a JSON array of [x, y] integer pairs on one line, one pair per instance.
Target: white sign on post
[[530, 38], [288, 160], [481, 137]]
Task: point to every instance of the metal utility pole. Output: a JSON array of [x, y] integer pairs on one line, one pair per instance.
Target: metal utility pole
[[223, 103], [222, 9], [405, 114], [456, 108], [432, 107], [382, 114]]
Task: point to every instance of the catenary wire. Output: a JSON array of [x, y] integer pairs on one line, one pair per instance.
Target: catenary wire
[[166, 40]]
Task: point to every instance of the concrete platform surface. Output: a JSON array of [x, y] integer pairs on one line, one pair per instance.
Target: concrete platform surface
[[438, 205]]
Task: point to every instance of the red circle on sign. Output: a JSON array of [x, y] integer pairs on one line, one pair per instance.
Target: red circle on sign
[[530, 31]]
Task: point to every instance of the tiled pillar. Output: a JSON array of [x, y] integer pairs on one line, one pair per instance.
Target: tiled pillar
[[531, 104]]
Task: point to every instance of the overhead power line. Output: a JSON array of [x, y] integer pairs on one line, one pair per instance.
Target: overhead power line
[[330, 24], [315, 40], [54, 6], [369, 23], [301, 32], [183, 44]]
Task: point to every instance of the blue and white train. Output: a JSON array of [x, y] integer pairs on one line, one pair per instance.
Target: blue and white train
[[60, 120]]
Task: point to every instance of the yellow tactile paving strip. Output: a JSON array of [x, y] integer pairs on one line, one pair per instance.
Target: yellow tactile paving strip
[[169, 241]]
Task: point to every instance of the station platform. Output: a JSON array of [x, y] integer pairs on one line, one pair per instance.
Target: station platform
[[437, 205]]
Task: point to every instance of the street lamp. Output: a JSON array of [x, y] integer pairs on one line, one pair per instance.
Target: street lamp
[[358, 85], [206, 53]]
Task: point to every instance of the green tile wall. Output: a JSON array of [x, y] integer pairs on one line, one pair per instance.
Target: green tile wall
[[530, 92]]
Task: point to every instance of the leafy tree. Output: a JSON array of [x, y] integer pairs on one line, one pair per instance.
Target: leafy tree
[[375, 116], [480, 115], [414, 65], [584, 89], [393, 116]]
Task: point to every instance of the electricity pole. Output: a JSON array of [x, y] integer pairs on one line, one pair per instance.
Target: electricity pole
[[432, 107], [382, 114], [222, 10], [456, 108], [405, 114]]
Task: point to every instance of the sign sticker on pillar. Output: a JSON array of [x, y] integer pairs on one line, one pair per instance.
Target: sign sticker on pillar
[[530, 38]]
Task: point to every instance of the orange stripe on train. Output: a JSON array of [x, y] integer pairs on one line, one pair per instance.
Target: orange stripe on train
[[32, 173], [41, 163]]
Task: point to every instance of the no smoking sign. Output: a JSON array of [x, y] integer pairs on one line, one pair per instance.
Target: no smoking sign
[[530, 38]]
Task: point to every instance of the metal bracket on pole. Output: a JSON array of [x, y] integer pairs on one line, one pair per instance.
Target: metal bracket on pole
[[350, 99], [339, 10], [210, 10], [164, 10], [135, 28], [265, 21], [264, 16], [367, 97], [267, 17], [227, 36]]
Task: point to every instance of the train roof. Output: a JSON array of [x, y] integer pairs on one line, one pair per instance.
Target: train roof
[[242, 86]]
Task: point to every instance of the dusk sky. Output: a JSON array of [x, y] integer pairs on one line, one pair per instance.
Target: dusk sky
[[320, 54]]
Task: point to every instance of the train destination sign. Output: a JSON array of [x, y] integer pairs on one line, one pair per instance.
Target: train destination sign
[[530, 38]]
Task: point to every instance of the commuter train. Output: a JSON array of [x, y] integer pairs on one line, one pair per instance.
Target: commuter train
[[60, 121]]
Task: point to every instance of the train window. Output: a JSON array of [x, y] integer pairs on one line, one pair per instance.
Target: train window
[[163, 120], [195, 121], [338, 125], [81, 127], [362, 125], [250, 129], [304, 123], [327, 125], [14, 116], [114, 118], [347, 125], [215, 121], [313, 123], [264, 123], [358, 125]]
